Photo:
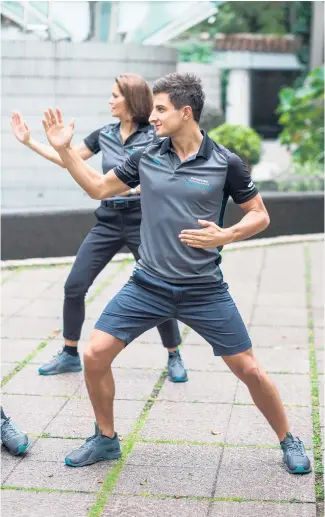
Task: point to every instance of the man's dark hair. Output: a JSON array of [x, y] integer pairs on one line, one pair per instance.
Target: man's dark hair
[[183, 90]]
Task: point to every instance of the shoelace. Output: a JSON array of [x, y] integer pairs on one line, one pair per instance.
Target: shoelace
[[297, 447], [59, 352], [88, 441], [10, 429]]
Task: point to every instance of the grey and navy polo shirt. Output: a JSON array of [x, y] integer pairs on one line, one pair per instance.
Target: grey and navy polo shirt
[[108, 140], [174, 195]]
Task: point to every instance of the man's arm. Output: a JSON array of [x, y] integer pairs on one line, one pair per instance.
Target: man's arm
[[23, 135], [241, 188], [93, 182], [97, 185]]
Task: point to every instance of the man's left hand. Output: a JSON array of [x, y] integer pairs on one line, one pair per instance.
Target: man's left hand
[[210, 236]]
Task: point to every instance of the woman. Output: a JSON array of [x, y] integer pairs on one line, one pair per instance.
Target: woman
[[118, 218]]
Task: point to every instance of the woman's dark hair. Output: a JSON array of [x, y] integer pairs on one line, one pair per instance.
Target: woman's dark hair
[[183, 90], [138, 96]]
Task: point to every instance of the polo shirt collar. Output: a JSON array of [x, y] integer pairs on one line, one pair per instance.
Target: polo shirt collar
[[204, 151], [142, 128]]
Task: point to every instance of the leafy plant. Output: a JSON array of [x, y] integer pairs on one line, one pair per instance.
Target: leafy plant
[[302, 178], [302, 116], [242, 140]]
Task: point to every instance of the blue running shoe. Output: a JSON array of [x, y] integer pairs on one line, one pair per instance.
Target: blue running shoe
[[12, 438], [294, 455], [176, 369], [96, 448], [61, 363]]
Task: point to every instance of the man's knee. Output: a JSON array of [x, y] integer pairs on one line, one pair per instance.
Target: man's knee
[[101, 350]]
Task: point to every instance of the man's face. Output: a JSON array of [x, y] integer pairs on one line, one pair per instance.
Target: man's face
[[166, 118]]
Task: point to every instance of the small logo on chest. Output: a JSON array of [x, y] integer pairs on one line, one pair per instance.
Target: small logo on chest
[[198, 182]]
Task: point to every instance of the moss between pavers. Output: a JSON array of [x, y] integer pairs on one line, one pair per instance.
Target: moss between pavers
[[46, 490], [212, 499], [317, 438]]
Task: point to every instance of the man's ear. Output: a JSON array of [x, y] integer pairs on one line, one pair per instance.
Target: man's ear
[[187, 113]]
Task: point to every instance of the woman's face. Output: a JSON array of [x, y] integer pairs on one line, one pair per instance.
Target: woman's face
[[118, 104]]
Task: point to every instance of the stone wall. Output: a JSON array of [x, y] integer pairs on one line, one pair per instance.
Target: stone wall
[[77, 77]]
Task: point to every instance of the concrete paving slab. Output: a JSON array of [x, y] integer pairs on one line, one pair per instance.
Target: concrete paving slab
[[53, 292], [54, 475], [44, 504], [130, 384], [32, 276], [18, 290], [247, 473], [27, 327], [11, 306], [8, 463], [278, 299], [28, 382], [73, 426], [198, 357], [275, 316], [43, 309], [133, 506], [319, 337], [283, 359], [176, 456], [293, 389], [51, 450], [142, 355], [318, 317], [202, 387], [190, 481], [17, 349], [184, 421], [247, 426], [128, 409], [32, 414], [251, 509], [263, 336], [6, 368]]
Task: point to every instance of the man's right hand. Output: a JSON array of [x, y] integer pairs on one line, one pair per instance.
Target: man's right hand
[[58, 134], [20, 128]]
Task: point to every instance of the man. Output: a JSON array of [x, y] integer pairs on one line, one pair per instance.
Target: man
[[186, 180]]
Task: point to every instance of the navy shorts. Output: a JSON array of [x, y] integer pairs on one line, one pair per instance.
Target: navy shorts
[[145, 302]]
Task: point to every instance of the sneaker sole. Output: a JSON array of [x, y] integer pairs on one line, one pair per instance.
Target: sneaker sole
[[115, 456], [22, 449], [299, 470], [72, 370], [178, 379]]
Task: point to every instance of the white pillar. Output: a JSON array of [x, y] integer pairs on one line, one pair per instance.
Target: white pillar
[[238, 97]]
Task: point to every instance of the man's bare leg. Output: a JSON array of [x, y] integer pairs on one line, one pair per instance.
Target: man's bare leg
[[262, 389], [98, 357]]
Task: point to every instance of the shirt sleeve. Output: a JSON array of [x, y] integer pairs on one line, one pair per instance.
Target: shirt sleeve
[[239, 184], [128, 172], [92, 141]]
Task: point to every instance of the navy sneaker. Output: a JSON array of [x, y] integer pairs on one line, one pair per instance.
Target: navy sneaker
[[176, 369], [61, 363], [12, 438], [294, 455], [96, 448]]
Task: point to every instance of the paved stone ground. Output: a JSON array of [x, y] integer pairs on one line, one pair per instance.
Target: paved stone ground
[[199, 449]]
